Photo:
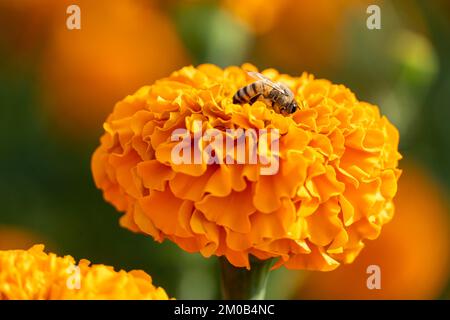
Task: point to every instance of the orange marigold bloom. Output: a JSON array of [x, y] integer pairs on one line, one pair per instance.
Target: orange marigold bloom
[[337, 170], [33, 274]]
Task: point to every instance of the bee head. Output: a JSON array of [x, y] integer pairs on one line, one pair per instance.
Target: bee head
[[290, 108]]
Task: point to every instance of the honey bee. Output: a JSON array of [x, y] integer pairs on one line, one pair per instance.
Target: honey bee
[[275, 94]]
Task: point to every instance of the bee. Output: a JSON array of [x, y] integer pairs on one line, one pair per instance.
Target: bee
[[275, 94]]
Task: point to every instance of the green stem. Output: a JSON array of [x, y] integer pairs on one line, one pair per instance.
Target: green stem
[[243, 284]]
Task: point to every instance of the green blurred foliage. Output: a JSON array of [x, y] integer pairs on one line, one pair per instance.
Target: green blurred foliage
[[45, 178], [212, 34]]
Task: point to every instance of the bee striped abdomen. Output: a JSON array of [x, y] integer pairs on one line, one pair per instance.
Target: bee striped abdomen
[[245, 94]]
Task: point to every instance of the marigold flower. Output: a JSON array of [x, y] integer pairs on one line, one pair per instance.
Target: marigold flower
[[33, 274], [337, 170]]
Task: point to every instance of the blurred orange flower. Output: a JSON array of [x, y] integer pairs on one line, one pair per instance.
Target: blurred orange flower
[[334, 188], [16, 238], [121, 45], [298, 34], [36, 275], [24, 26], [258, 15], [413, 252]]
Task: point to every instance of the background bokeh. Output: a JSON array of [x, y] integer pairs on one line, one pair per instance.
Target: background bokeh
[[58, 85]]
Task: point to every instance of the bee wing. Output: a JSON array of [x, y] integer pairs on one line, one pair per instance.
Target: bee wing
[[286, 89], [259, 76]]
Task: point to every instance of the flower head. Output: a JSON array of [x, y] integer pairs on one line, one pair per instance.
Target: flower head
[[33, 274], [337, 170]]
